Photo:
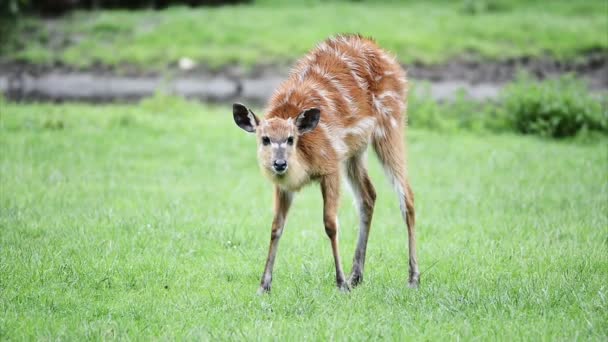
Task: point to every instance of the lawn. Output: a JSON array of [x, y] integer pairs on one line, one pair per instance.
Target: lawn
[[429, 32], [152, 221]]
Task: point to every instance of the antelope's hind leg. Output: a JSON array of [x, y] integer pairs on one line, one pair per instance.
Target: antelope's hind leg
[[390, 148], [365, 198]]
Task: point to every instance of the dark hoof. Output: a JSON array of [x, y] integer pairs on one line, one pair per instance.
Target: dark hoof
[[344, 287], [264, 289], [414, 281], [355, 279]]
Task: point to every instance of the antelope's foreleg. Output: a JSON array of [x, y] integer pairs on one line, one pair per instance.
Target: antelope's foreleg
[[282, 200], [330, 189]]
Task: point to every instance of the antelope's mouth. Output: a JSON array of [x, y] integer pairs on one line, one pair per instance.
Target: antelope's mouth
[[279, 174]]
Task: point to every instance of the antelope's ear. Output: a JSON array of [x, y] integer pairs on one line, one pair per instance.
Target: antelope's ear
[[308, 120], [244, 117]]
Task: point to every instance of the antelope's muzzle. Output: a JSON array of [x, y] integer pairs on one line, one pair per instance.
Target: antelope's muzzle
[[280, 166]]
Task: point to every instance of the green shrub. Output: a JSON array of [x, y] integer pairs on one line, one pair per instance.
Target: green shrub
[[556, 108]]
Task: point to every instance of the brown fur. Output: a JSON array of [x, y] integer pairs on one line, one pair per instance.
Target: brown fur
[[360, 92]]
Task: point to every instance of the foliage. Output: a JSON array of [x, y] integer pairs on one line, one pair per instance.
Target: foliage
[[557, 108], [151, 222]]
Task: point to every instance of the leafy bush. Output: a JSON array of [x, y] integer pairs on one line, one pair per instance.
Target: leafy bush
[[557, 108]]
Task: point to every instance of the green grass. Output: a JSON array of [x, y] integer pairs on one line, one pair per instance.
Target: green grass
[[152, 221], [271, 33]]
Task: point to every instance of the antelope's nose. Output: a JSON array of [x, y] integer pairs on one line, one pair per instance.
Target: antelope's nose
[[280, 165]]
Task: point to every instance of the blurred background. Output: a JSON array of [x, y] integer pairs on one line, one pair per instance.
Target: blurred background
[[473, 51]]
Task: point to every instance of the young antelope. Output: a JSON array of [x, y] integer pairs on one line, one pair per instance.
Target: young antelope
[[344, 95]]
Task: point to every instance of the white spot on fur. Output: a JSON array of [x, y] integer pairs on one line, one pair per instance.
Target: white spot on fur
[[393, 122], [391, 60], [335, 138], [389, 93], [401, 197], [362, 128], [336, 135], [380, 106], [288, 95], [398, 189], [324, 94], [336, 84], [379, 132], [354, 69]]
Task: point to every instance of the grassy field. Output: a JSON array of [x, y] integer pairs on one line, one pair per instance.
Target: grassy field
[[151, 220], [270, 33]]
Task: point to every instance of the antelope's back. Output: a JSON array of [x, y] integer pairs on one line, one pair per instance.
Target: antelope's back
[[344, 75], [357, 86]]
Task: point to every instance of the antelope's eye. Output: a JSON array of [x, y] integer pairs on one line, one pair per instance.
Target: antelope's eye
[[290, 140], [266, 141]]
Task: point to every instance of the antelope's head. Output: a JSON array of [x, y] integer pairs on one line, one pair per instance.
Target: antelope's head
[[277, 138]]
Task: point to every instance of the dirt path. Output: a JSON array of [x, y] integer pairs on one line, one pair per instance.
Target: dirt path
[[478, 81]]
